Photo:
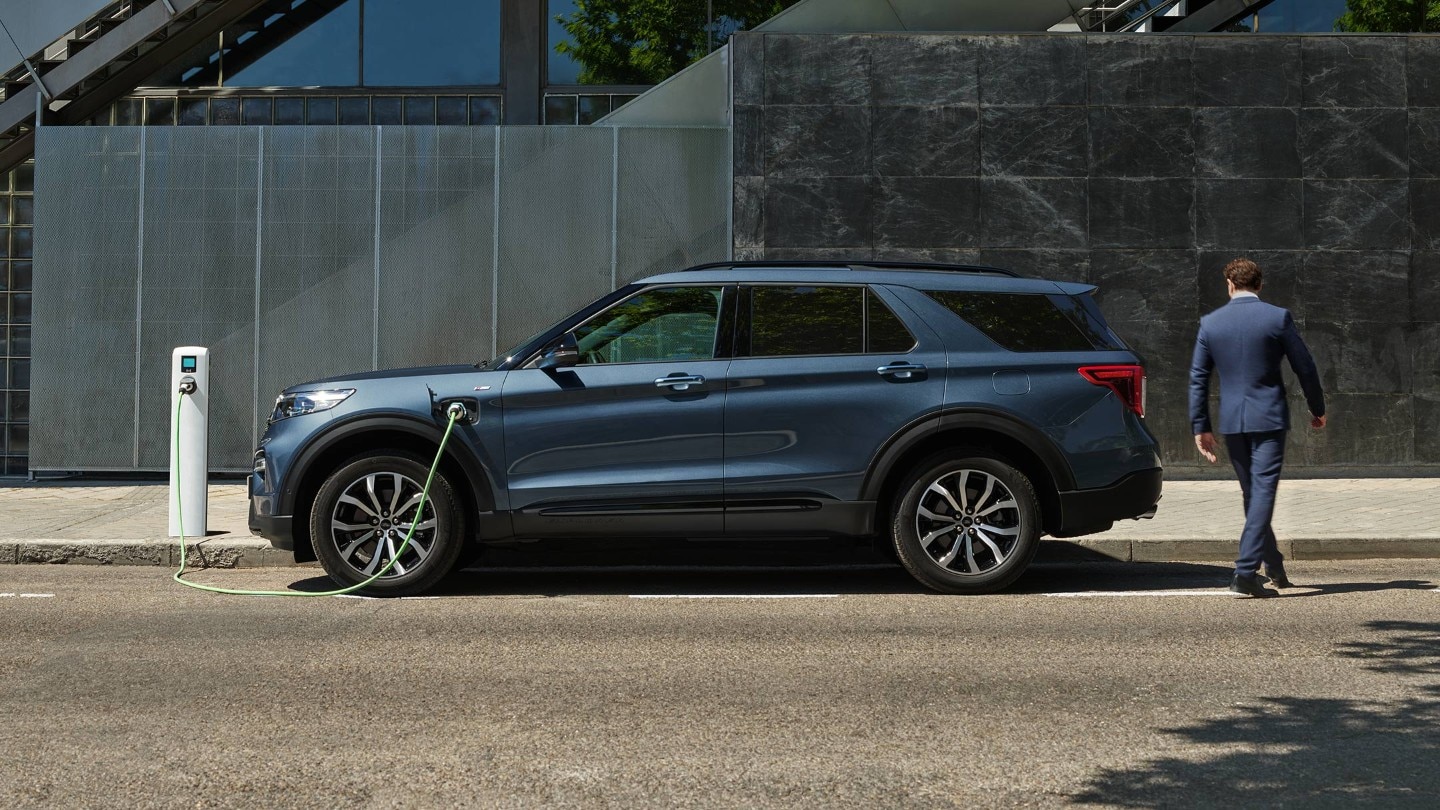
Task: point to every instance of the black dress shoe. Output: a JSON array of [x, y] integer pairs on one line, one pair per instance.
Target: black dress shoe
[[1276, 576], [1250, 586]]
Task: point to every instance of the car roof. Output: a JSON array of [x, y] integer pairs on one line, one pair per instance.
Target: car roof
[[921, 275]]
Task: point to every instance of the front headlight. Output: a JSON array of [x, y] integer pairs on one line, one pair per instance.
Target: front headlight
[[303, 402]]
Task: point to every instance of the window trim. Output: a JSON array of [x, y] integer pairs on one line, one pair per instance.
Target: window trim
[[745, 308]]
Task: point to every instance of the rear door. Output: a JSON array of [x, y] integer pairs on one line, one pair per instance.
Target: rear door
[[824, 375], [628, 441]]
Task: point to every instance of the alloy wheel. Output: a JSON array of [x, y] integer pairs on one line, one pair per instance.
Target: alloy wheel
[[968, 522], [371, 519]]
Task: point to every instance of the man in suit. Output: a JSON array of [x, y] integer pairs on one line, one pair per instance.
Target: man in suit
[[1244, 341]]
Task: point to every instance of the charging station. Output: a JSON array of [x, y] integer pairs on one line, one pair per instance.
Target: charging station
[[190, 429]]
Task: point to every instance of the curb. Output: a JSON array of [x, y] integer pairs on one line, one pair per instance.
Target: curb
[[216, 553]]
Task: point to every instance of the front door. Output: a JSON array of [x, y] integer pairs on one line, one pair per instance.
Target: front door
[[629, 440]]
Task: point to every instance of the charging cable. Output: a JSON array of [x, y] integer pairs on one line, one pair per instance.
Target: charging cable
[[455, 412]]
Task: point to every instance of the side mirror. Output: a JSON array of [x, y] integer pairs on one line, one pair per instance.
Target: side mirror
[[562, 355]]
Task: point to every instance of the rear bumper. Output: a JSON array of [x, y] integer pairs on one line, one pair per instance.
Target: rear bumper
[[1087, 511]]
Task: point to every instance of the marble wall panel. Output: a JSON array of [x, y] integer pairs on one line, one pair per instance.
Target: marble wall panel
[[1280, 279], [918, 254], [925, 70], [1055, 265], [1251, 71], [1150, 214], [1146, 285], [817, 69], [1425, 286], [814, 212], [1040, 71], [1249, 214], [927, 141], [1033, 213], [1424, 342], [1365, 429], [1422, 74], [1035, 141], [747, 133], [1370, 142], [747, 58], [942, 212], [1424, 142], [1427, 439], [748, 214], [1344, 286], [837, 253], [1425, 214], [1141, 142], [1358, 357], [1247, 142], [805, 141], [1353, 71], [1357, 214], [1139, 70]]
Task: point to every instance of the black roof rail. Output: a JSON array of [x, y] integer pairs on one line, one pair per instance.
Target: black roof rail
[[862, 265]]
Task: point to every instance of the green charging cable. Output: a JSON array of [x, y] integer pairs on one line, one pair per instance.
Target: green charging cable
[[454, 414]]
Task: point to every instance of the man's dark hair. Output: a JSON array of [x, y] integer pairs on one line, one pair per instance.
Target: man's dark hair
[[1244, 274]]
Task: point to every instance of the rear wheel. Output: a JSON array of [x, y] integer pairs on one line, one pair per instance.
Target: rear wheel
[[966, 524], [363, 513]]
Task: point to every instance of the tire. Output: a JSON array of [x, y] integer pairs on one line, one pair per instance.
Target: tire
[[944, 540], [353, 508]]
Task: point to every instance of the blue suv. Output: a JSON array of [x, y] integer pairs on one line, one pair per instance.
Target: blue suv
[[956, 412]]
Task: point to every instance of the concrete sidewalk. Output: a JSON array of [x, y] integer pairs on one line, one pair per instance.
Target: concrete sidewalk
[[70, 522]]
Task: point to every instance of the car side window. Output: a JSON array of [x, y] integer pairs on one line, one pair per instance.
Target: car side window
[[658, 325], [817, 320]]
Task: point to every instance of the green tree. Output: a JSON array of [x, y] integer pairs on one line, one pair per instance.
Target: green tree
[[648, 41], [1390, 16]]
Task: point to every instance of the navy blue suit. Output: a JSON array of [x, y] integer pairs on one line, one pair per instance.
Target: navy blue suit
[[1244, 341]]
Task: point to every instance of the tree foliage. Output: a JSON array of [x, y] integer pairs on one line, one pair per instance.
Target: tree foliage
[[1390, 16], [648, 41]]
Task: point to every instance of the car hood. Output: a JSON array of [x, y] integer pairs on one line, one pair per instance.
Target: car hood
[[389, 374]]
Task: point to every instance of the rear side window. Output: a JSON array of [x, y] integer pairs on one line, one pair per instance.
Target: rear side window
[[1021, 322], [813, 320]]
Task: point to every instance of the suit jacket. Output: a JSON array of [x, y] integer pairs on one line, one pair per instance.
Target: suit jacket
[[1244, 341]]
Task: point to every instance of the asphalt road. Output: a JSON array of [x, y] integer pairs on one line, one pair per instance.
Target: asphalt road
[[561, 689]]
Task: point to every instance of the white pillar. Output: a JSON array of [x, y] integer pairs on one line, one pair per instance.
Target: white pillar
[[190, 461]]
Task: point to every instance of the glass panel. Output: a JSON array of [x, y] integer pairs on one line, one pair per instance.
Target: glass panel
[[22, 243], [884, 332], [807, 320], [4, 341], [484, 110], [409, 44], [20, 308], [4, 282], [127, 112], [666, 324], [1303, 16], [322, 111], [450, 110], [385, 110], [25, 176], [19, 434], [4, 208], [225, 111], [4, 243], [289, 111], [560, 109], [1020, 323], [561, 68], [355, 111], [325, 53], [20, 375], [20, 341], [593, 108], [160, 111], [194, 111], [257, 111], [17, 466], [420, 110], [20, 273], [20, 406], [24, 211]]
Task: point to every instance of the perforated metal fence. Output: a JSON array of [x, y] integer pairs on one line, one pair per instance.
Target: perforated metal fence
[[300, 252]]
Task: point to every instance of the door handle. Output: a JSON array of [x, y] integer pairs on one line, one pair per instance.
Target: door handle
[[679, 382], [900, 371]]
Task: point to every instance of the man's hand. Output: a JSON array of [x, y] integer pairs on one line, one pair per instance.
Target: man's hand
[[1317, 422], [1205, 443]]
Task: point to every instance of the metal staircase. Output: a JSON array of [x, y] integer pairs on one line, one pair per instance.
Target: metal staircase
[[109, 55], [1131, 16]]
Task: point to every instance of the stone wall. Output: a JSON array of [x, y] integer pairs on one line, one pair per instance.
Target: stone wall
[[1141, 164]]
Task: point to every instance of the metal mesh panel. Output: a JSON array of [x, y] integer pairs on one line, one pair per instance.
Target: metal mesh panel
[[86, 248], [555, 224], [199, 282], [437, 205], [673, 199], [317, 270]]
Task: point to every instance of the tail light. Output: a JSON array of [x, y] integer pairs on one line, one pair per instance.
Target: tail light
[[1127, 381]]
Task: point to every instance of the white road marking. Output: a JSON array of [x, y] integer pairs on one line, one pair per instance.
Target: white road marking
[[1074, 594], [734, 596], [382, 598], [27, 595]]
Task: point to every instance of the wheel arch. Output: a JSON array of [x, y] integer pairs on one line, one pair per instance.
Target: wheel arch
[[350, 439], [1024, 447]]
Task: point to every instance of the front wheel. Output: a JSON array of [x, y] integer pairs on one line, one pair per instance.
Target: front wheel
[[363, 513], [966, 524]]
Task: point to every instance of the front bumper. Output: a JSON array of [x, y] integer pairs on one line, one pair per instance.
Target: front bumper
[[278, 529], [1087, 511]]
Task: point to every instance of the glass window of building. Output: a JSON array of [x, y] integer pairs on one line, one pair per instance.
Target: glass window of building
[[432, 44], [1296, 16], [277, 52]]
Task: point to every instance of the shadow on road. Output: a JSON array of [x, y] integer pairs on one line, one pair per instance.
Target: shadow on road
[[1313, 752]]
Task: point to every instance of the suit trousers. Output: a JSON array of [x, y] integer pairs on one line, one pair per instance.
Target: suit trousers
[[1257, 458]]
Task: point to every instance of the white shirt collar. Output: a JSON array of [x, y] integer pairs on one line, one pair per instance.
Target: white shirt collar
[[1243, 294]]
